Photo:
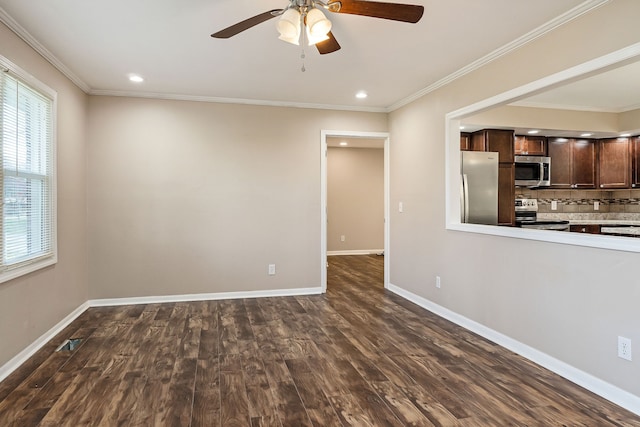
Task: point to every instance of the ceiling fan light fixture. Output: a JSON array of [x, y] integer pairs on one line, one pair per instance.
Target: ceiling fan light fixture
[[317, 23], [315, 39], [289, 26]]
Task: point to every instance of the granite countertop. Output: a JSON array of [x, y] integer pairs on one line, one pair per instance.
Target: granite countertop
[[606, 219], [604, 222]]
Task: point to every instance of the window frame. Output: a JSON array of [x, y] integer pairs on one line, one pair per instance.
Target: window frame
[[39, 262]]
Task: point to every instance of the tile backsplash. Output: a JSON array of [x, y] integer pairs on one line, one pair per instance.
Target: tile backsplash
[[582, 201]]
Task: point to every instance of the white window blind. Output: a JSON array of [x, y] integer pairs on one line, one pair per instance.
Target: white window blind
[[26, 128]]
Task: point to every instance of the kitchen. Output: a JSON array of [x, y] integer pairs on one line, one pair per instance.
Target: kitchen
[[579, 170], [581, 185]]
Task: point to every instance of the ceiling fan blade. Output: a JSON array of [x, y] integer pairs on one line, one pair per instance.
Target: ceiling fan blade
[[394, 11], [246, 24], [329, 45]]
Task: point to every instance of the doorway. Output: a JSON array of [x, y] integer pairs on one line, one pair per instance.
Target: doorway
[[362, 138]]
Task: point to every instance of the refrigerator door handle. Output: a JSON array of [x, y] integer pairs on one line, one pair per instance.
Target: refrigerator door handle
[[464, 198]]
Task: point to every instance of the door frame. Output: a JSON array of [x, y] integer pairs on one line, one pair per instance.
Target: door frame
[[324, 134]]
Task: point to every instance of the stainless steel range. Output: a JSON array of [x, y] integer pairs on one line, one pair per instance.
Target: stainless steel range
[[527, 217]]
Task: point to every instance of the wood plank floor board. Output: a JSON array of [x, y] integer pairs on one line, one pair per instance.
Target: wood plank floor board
[[355, 356]]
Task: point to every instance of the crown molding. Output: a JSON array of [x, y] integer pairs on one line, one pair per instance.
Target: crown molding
[[219, 100], [19, 30], [560, 20]]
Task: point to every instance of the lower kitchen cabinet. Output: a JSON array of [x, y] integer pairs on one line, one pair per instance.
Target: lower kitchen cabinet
[[588, 228]]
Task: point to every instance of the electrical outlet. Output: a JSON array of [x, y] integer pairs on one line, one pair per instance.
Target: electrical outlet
[[596, 206], [272, 269], [438, 282], [554, 205], [342, 238], [624, 348]]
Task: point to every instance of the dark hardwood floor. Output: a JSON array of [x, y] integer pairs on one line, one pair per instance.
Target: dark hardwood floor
[[356, 356]]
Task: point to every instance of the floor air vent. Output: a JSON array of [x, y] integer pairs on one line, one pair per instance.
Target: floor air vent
[[70, 344]]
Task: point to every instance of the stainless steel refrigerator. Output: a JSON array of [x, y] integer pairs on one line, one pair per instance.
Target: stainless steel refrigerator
[[479, 189]]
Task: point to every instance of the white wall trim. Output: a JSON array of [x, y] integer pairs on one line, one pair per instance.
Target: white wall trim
[[324, 134], [105, 302], [356, 252], [241, 101], [31, 349], [43, 51], [602, 388]]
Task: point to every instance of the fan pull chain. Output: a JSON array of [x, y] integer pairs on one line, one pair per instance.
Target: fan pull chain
[[304, 39]]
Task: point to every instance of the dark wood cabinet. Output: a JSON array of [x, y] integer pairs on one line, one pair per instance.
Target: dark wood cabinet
[[614, 163], [588, 229], [465, 141], [506, 194], [498, 140], [573, 163], [635, 162], [525, 145]]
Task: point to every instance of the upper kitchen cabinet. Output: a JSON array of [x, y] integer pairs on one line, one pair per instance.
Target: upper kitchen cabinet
[[530, 145], [465, 141], [573, 163], [494, 140], [614, 163], [635, 160]]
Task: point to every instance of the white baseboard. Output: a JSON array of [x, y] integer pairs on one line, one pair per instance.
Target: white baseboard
[[24, 355], [356, 252], [204, 297], [602, 388]]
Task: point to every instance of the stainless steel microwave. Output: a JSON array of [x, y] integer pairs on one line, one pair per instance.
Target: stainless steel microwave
[[533, 171]]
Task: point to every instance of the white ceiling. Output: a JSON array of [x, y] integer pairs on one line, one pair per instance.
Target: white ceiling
[[99, 43]]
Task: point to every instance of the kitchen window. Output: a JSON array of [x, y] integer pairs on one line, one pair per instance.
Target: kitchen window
[[27, 151]]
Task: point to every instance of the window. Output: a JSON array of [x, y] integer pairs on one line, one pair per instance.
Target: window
[[27, 222]]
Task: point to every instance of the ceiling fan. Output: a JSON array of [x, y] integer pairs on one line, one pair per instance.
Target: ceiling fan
[[305, 15]]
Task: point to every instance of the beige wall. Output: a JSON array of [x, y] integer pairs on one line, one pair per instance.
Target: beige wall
[[630, 121], [567, 301], [547, 118], [32, 304], [189, 197], [355, 199]]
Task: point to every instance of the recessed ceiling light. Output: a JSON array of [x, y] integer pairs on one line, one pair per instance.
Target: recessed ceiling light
[[533, 132], [135, 78], [625, 135], [586, 134], [344, 144], [361, 95], [461, 127]]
